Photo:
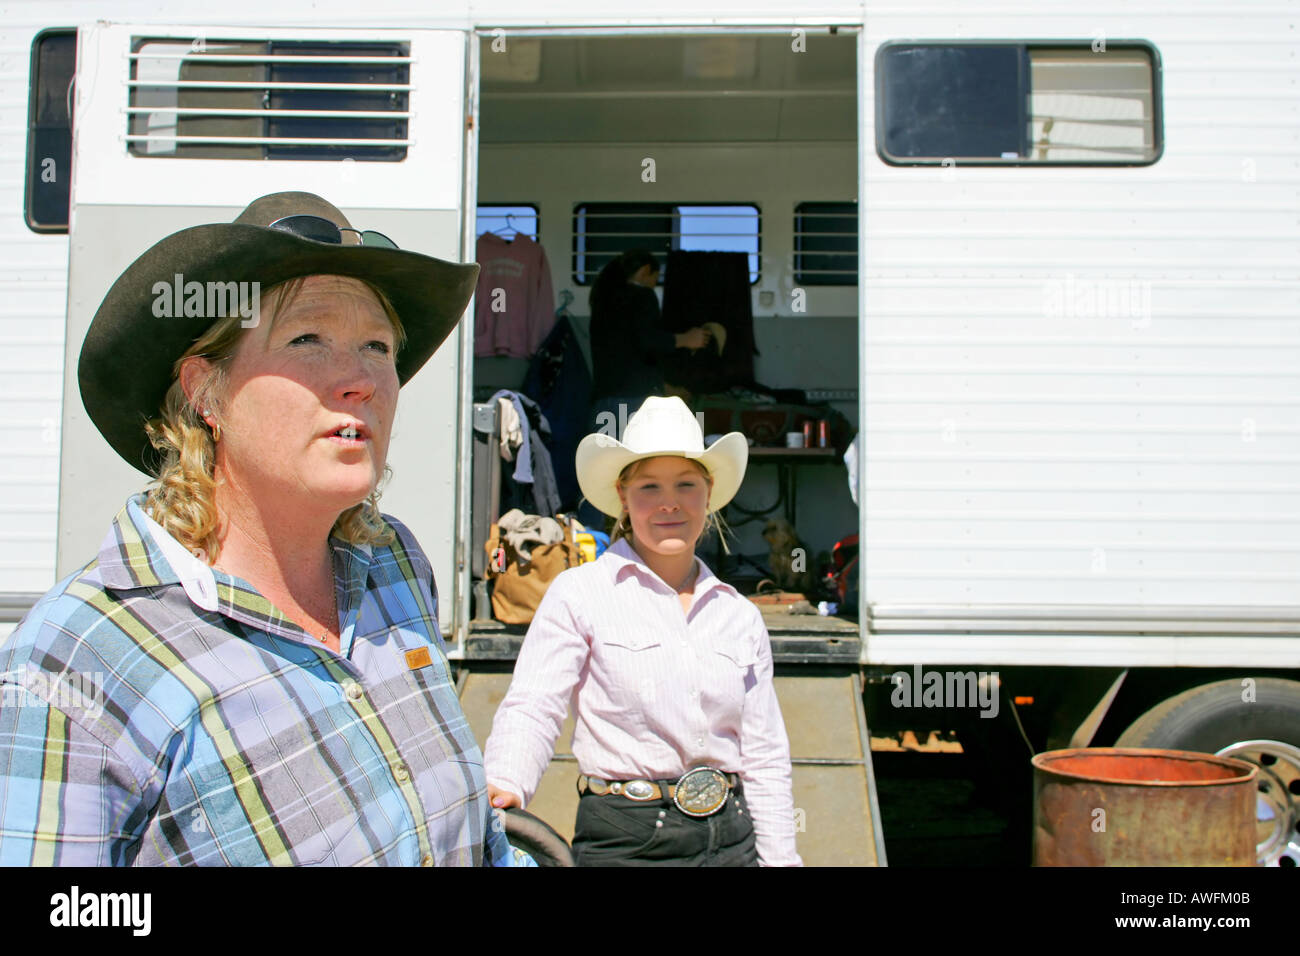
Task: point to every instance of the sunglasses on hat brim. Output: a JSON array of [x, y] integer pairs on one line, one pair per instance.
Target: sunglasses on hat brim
[[320, 229]]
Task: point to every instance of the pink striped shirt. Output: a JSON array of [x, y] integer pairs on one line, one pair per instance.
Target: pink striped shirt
[[655, 691]]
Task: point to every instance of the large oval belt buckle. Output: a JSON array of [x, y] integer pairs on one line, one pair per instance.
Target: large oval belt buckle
[[701, 792]]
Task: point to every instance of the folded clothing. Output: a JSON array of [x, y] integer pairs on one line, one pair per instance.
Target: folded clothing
[[523, 532]]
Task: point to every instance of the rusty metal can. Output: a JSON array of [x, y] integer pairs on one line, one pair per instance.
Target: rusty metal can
[[807, 434], [1113, 806], [823, 433]]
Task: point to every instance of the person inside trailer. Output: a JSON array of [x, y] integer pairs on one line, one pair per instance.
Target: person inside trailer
[[628, 344], [678, 734], [255, 650]]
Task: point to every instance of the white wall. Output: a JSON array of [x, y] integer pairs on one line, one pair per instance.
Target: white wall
[[1146, 455], [33, 296]]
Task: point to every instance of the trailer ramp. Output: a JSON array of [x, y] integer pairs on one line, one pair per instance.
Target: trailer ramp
[[837, 817]]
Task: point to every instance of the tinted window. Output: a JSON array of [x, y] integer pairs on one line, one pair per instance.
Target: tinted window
[[603, 230], [359, 100], [729, 228], [233, 99], [826, 243], [994, 103], [49, 131], [954, 101]]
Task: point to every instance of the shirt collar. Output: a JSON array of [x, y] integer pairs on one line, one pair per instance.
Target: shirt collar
[[626, 562], [138, 552]]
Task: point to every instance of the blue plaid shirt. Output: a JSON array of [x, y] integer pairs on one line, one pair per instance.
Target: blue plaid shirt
[[154, 710]]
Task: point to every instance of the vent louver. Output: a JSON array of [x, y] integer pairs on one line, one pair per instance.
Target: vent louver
[[242, 99]]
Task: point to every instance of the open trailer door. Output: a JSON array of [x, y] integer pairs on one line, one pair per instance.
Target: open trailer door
[[179, 126], [818, 681]]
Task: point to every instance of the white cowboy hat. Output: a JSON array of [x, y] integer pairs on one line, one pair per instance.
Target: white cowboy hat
[[661, 426]]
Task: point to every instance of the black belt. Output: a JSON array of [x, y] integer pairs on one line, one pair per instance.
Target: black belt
[[699, 792]]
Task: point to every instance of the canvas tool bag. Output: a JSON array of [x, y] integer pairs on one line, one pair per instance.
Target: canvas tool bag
[[517, 585]]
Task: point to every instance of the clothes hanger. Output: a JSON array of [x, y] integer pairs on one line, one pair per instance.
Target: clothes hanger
[[502, 230]]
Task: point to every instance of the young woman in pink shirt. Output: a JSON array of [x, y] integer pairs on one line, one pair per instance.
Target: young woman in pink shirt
[[678, 735]]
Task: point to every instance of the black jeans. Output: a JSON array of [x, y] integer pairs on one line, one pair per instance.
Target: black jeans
[[612, 830]]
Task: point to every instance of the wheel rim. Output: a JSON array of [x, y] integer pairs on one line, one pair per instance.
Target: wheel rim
[[1277, 801]]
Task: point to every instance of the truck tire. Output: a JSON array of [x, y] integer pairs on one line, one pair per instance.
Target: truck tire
[[1221, 718]]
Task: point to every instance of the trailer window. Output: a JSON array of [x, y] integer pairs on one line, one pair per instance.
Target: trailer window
[[601, 231], [505, 219], [1088, 103], [218, 99], [826, 243], [49, 131], [720, 229]]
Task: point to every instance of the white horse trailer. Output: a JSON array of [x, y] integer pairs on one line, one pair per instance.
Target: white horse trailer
[[1047, 262]]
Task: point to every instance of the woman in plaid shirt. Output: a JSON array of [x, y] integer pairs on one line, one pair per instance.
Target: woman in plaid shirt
[[250, 670]]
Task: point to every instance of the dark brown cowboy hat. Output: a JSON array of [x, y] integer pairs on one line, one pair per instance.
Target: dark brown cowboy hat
[[126, 360]]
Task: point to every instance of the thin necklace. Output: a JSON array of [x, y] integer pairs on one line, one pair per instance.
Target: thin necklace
[[333, 605], [324, 636]]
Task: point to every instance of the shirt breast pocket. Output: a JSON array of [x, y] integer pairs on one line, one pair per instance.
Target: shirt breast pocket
[[734, 662], [633, 667]]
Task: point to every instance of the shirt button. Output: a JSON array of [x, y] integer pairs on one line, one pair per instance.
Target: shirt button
[[401, 773], [353, 690], [427, 861]]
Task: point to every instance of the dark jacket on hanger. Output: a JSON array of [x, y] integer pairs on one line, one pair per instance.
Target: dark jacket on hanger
[[704, 287], [628, 344], [558, 380]]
